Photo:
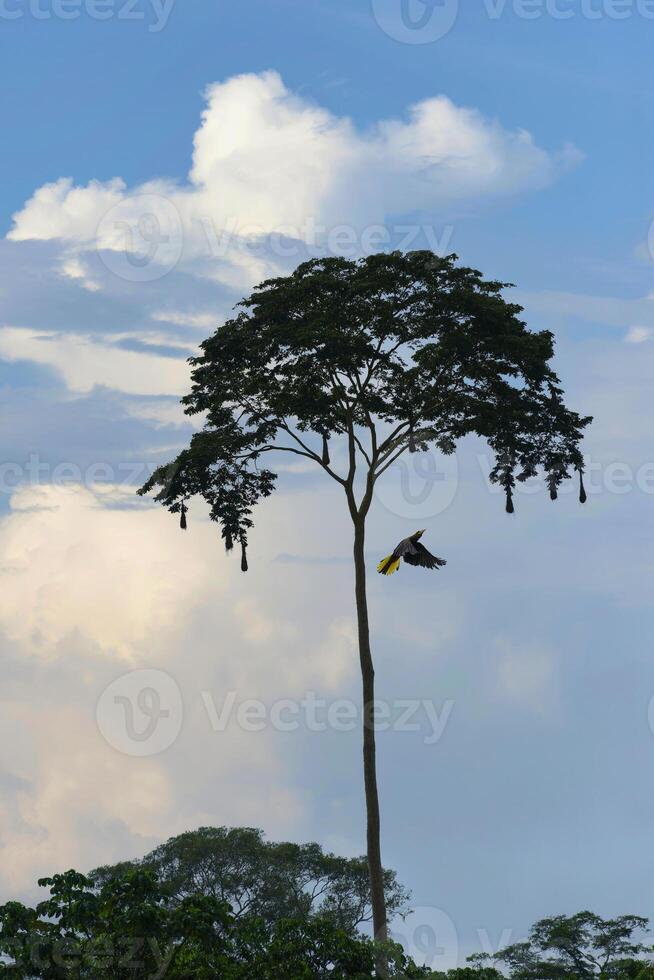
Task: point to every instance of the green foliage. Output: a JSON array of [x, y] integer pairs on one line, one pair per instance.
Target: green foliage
[[395, 351], [265, 880], [478, 972], [129, 923], [121, 931], [127, 928], [581, 946]]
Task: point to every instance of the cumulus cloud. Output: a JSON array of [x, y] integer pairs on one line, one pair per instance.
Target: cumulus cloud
[[131, 278], [92, 590], [61, 210], [84, 361], [75, 575], [267, 162]]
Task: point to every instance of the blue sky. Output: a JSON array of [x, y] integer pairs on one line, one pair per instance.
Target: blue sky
[[538, 798]]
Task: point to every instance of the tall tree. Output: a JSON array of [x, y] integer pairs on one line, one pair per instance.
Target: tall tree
[[263, 879], [583, 947], [389, 353]]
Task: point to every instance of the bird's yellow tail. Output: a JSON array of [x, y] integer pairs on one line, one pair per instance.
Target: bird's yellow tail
[[388, 566]]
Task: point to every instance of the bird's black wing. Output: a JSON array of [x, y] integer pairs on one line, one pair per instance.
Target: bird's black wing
[[423, 558]]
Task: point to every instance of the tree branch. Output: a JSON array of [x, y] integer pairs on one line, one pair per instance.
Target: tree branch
[[389, 462], [277, 449], [363, 452], [391, 440], [311, 455]]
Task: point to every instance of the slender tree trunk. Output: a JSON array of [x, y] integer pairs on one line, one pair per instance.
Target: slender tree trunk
[[380, 925]]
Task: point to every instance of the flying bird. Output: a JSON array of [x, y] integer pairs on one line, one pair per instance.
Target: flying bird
[[413, 553]]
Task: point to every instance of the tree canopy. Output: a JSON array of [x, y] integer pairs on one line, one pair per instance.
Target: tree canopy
[[132, 924], [391, 351], [265, 880], [582, 946]]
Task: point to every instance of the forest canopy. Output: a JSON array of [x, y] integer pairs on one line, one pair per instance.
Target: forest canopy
[[221, 902]]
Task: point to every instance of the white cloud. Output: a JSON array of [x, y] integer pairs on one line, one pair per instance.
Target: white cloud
[[91, 588], [160, 411], [266, 161], [176, 253], [61, 210], [638, 335], [73, 268], [85, 362], [71, 573], [196, 320], [60, 759]]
